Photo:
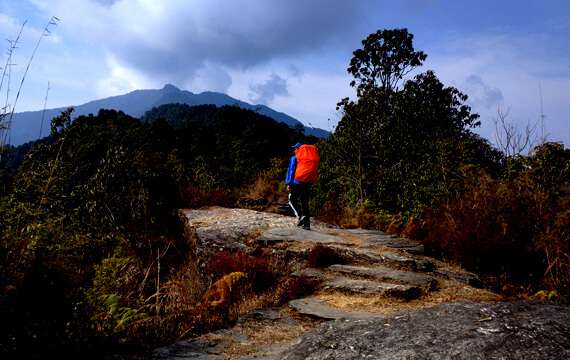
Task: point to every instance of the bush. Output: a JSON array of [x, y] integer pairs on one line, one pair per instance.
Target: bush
[[361, 215], [269, 184], [261, 273], [513, 228]]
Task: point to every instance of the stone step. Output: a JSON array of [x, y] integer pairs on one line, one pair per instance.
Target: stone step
[[407, 262], [463, 277], [321, 309], [279, 235], [389, 258], [382, 273], [375, 238], [369, 287]]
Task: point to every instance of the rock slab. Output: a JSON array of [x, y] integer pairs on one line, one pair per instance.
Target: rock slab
[[382, 273], [460, 330], [278, 235], [320, 309], [368, 287], [375, 237]]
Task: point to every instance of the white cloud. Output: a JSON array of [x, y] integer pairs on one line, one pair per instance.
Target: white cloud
[[266, 91], [112, 46], [121, 80], [211, 77], [513, 66], [481, 94], [176, 39]]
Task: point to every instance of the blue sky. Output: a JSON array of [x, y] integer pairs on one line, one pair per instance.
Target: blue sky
[[292, 55]]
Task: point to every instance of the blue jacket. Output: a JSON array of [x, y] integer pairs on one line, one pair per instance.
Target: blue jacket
[[290, 178]]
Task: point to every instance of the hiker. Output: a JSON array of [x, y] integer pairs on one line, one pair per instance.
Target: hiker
[[302, 173]]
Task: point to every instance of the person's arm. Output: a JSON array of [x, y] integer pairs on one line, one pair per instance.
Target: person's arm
[[291, 171]]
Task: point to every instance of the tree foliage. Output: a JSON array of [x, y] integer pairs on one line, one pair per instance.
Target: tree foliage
[[399, 148], [409, 150], [385, 58], [90, 211]]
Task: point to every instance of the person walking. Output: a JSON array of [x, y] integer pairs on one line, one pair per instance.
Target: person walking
[[301, 174]]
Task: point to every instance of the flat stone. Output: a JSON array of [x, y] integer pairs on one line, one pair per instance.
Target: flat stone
[[390, 258], [406, 262], [463, 277], [360, 286], [382, 273], [375, 238], [320, 309], [223, 227], [460, 330], [366, 232], [396, 243], [278, 235]]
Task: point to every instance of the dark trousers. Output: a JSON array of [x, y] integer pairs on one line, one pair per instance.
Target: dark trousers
[[299, 201]]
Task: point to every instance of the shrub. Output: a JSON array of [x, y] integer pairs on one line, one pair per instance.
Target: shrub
[[361, 215], [511, 228], [269, 184], [260, 270], [554, 243]]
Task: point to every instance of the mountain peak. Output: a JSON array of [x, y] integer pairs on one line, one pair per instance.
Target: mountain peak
[[170, 87], [27, 125]]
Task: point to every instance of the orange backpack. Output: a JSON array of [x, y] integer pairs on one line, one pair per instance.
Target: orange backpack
[[307, 164]]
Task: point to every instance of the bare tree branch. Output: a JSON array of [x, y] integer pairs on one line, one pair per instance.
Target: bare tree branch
[[512, 139]]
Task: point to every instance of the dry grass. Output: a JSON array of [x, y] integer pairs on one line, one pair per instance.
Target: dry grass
[[449, 291], [261, 336]]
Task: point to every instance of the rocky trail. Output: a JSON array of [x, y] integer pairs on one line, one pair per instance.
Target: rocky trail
[[384, 300]]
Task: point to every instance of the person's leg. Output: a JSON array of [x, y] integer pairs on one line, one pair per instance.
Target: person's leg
[[294, 199], [305, 197]]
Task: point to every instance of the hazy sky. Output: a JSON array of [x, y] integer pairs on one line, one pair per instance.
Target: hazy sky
[[292, 54]]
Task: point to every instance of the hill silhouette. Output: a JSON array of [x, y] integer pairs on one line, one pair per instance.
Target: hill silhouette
[[27, 126]]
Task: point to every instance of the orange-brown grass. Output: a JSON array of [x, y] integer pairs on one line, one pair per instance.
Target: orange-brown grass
[[262, 334], [268, 184], [261, 271], [449, 291], [504, 227]]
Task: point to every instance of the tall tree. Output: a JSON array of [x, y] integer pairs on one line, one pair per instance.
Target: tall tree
[[385, 58], [398, 146]]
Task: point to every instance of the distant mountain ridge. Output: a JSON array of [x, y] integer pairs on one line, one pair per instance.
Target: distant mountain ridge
[[26, 125]]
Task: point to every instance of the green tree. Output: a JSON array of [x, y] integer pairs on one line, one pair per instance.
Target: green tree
[[399, 147], [385, 58]]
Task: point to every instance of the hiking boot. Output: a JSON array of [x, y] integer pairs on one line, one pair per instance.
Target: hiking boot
[[302, 221], [306, 223]]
